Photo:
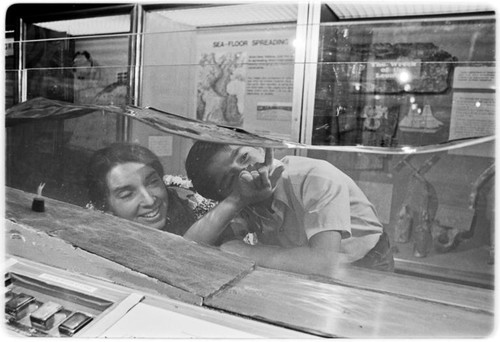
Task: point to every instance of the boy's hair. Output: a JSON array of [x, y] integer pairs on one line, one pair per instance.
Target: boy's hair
[[198, 160], [105, 159]]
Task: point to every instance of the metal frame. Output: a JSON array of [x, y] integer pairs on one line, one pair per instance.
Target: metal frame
[[300, 72], [310, 71]]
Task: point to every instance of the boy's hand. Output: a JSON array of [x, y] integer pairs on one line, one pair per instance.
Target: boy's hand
[[256, 184]]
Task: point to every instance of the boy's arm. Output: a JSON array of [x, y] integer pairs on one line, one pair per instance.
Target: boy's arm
[[252, 186], [208, 228], [321, 256]]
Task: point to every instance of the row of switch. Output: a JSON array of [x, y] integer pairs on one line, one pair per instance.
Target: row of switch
[[44, 316]]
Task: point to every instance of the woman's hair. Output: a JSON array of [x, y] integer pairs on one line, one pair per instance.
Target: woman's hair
[[199, 158], [103, 160]]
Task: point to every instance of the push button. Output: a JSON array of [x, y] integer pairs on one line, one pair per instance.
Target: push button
[[18, 305], [44, 317], [74, 323]]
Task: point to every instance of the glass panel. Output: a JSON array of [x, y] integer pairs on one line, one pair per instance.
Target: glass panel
[[437, 208], [356, 10], [163, 20], [11, 75], [86, 26], [79, 70], [208, 64], [416, 84], [11, 87], [56, 152], [82, 70], [232, 89], [404, 83]]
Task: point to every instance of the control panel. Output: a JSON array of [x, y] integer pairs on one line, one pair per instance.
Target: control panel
[[45, 302], [55, 290], [36, 309]]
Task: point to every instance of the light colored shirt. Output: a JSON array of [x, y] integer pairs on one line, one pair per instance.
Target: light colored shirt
[[313, 196]]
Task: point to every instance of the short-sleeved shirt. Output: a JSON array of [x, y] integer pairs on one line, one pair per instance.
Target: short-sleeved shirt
[[313, 196]]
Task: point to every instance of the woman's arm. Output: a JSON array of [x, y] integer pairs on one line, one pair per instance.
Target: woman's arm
[[321, 256]]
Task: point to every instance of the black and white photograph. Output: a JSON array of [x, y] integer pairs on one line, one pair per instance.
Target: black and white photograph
[[249, 170]]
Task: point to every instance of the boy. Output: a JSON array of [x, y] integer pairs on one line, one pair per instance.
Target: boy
[[309, 216]]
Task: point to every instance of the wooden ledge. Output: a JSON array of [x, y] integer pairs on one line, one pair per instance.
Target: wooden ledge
[[200, 270]]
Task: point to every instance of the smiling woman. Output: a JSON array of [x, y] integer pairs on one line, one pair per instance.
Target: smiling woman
[[136, 192], [126, 180]]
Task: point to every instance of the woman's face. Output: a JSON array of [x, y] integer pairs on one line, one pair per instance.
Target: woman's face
[[137, 193]]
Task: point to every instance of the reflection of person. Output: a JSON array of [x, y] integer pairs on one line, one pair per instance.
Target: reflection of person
[[126, 180], [92, 85], [84, 66], [315, 218]]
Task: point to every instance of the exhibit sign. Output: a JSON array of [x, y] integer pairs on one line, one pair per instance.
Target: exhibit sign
[[473, 107], [245, 78], [472, 115], [470, 77]]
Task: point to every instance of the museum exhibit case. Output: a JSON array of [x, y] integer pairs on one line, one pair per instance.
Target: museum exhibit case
[[413, 83], [401, 99]]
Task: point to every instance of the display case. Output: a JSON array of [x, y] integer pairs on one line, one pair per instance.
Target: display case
[[414, 93], [411, 82], [407, 90], [81, 57], [404, 104], [237, 65]]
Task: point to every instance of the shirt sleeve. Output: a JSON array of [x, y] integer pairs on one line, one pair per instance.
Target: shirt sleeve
[[324, 196]]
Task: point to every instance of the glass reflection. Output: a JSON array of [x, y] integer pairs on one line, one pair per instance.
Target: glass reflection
[[403, 82], [375, 89], [435, 208]]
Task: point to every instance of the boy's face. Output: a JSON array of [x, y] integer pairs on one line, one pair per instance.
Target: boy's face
[[228, 163]]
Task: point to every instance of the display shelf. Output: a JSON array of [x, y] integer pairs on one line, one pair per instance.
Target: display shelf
[[472, 267]]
